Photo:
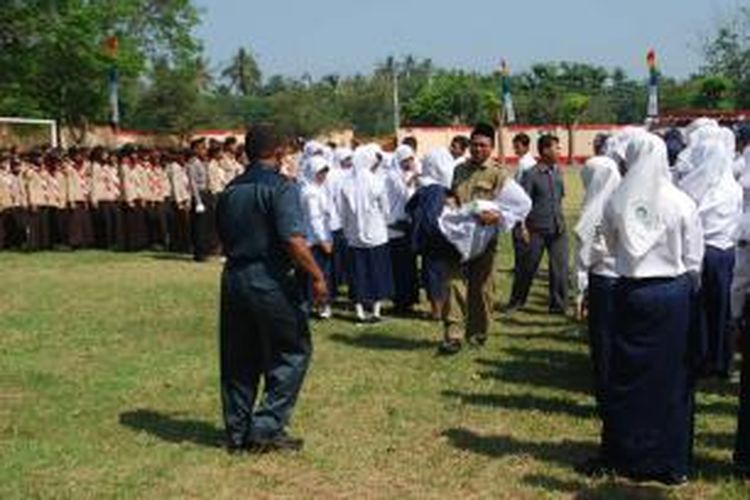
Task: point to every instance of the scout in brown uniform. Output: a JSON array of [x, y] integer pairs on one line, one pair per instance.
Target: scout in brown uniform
[[35, 187], [105, 196], [135, 227], [470, 288], [179, 225], [55, 187], [5, 202], [78, 192], [157, 194], [18, 219]]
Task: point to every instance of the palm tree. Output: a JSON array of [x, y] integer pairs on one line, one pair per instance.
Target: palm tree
[[243, 73]]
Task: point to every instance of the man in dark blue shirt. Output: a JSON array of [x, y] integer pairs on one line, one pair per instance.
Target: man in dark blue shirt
[[263, 327], [544, 229]]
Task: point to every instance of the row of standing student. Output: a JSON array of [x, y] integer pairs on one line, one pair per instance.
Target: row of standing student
[[129, 200], [656, 260]]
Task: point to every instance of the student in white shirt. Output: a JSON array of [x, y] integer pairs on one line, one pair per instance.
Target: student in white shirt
[[741, 319], [401, 183], [526, 161], [654, 231], [317, 209], [595, 266], [364, 217], [340, 170], [705, 174]]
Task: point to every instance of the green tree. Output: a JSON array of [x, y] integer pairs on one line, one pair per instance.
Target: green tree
[[52, 55], [243, 73]]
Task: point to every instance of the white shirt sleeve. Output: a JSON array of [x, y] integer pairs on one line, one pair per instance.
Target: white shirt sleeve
[[317, 217], [693, 245]]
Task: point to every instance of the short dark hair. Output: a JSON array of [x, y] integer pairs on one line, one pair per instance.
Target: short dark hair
[[600, 143], [462, 141], [410, 141], [522, 139], [262, 140], [546, 141], [197, 142], [484, 130]]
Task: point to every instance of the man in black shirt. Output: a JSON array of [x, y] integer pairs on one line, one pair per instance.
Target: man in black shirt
[[544, 229], [263, 327]]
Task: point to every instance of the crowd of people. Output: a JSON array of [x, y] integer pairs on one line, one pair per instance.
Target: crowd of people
[[662, 261], [130, 199]]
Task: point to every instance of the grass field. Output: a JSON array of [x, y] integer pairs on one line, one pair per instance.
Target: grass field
[[108, 388]]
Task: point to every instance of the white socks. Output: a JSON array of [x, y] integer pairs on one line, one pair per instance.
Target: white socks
[[360, 310]]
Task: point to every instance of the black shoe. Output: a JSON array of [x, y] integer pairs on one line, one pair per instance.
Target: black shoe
[[512, 307], [667, 479], [477, 341], [280, 442], [236, 448], [449, 348], [594, 468]]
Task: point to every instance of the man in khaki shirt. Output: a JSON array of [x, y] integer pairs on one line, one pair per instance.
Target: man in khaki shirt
[[470, 288]]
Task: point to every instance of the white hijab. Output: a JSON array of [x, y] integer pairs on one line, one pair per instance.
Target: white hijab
[[601, 177], [438, 167], [616, 145], [364, 187], [703, 165], [637, 204]]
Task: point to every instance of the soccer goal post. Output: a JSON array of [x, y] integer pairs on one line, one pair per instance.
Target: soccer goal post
[[50, 124]]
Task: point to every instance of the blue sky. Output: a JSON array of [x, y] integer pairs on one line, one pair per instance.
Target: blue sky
[[346, 37]]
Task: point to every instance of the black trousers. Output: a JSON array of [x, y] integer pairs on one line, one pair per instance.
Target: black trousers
[[263, 334], [742, 439], [109, 225], [556, 246], [203, 227], [178, 224], [16, 228]]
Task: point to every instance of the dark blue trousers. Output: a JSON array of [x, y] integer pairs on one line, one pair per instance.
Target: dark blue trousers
[[716, 343], [325, 263], [263, 334], [405, 277], [649, 405], [742, 440]]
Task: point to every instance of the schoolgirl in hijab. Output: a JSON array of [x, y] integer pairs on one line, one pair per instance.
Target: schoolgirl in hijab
[[342, 167], [705, 174], [317, 209], [654, 231], [595, 266], [740, 306], [364, 217], [401, 183]]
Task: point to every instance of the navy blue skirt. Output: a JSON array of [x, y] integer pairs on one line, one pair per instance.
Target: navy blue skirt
[[715, 337], [649, 404], [339, 267], [370, 274], [405, 281], [601, 323]]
